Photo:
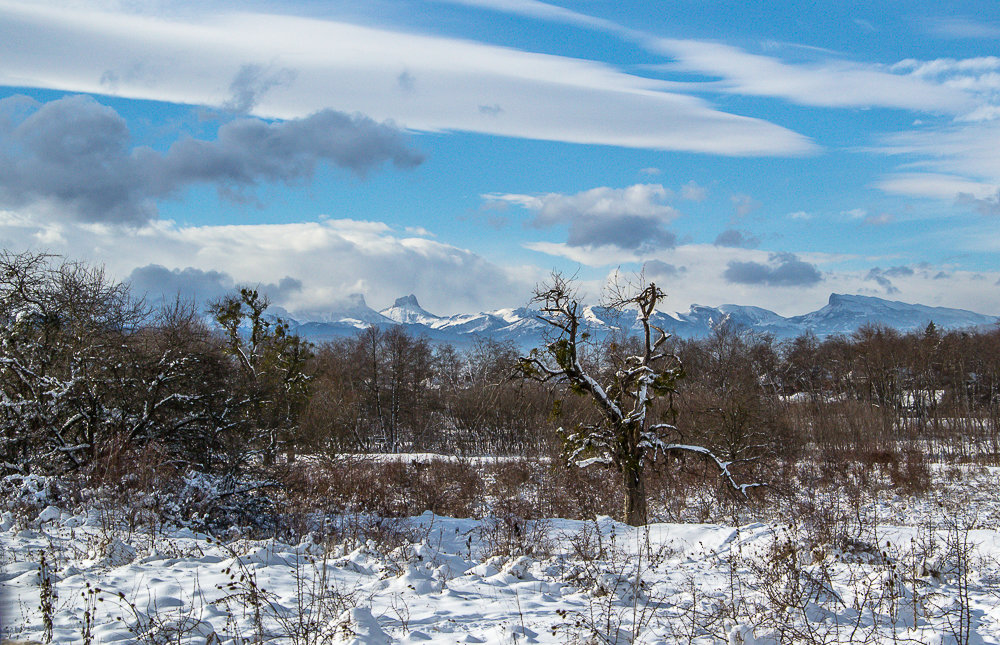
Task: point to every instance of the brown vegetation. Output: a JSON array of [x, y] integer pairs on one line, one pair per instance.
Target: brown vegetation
[[95, 384]]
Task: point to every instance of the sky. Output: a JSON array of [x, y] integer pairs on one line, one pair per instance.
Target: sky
[[757, 153]]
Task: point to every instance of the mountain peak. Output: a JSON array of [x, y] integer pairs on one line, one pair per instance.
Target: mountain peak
[[841, 299], [844, 314], [352, 310], [407, 302], [408, 311]]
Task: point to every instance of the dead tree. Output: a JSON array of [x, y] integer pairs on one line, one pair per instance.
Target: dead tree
[[624, 439]]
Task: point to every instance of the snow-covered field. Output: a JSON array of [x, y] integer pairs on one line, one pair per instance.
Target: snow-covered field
[[915, 570]]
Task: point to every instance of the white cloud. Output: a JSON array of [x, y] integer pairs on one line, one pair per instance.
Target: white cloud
[[967, 150], [962, 27], [325, 261], [934, 186], [693, 192], [196, 60], [589, 256], [551, 12], [976, 77], [832, 83], [878, 220], [939, 67], [829, 83], [865, 24], [704, 281], [331, 258], [744, 204], [957, 159]]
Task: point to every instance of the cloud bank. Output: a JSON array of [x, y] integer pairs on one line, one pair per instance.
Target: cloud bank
[[632, 218], [305, 266], [737, 239], [782, 270], [160, 284], [75, 155]]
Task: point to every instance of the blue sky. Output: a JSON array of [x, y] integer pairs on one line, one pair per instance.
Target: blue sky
[[750, 153]]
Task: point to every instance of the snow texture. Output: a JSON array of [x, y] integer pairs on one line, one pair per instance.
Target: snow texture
[[584, 581]]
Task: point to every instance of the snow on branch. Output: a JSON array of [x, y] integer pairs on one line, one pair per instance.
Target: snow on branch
[[723, 466]]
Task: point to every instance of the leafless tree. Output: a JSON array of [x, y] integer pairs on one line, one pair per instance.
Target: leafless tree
[[624, 439]]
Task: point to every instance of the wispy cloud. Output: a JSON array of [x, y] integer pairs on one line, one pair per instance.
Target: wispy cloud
[[744, 204], [352, 68], [955, 160], [691, 191], [962, 27], [977, 78], [252, 82], [550, 12], [832, 83], [949, 160], [880, 219], [933, 185]]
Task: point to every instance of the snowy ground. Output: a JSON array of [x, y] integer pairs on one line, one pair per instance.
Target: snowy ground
[[924, 572]]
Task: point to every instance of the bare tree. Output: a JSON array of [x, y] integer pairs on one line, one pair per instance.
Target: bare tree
[[624, 438], [729, 403]]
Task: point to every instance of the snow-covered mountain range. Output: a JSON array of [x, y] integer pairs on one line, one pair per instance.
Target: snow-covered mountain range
[[843, 314]]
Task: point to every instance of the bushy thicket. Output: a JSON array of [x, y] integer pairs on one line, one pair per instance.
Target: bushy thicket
[[89, 376], [93, 381]]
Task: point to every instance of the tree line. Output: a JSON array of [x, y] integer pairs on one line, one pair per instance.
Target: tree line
[[92, 380], [91, 377]]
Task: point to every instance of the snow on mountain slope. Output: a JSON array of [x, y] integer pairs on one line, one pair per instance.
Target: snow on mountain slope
[[408, 311], [843, 314], [353, 311]]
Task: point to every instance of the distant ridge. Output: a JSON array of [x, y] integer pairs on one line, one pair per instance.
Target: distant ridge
[[843, 314]]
